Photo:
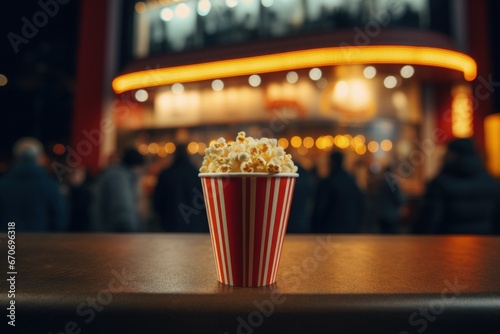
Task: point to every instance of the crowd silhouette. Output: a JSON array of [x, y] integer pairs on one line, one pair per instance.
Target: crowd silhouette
[[461, 199]]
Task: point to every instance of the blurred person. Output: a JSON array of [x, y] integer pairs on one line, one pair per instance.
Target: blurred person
[[79, 198], [115, 206], [463, 198], [299, 220], [28, 195], [178, 196], [339, 203], [388, 203]]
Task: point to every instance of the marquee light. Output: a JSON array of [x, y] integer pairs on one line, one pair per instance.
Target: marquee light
[[285, 61]]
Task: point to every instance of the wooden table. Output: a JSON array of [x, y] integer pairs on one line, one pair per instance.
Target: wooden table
[[166, 283]]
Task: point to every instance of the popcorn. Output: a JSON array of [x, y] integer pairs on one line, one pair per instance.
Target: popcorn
[[247, 155]]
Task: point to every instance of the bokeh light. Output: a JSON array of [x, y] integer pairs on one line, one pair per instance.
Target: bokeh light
[[296, 141], [386, 145], [341, 141], [315, 74], [369, 72], [141, 95], [3, 80], [193, 148], [360, 149], [217, 85], [320, 143], [302, 150], [201, 148], [308, 142], [182, 10], [177, 88], [204, 7], [59, 149], [162, 152], [170, 147], [292, 77], [390, 82], [231, 3], [153, 148], [267, 3], [140, 7], [143, 149], [407, 71], [283, 142], [373, 146], [166, 14], [254, 80]]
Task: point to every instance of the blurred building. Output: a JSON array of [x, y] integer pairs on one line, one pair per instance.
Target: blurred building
[[387, 81]]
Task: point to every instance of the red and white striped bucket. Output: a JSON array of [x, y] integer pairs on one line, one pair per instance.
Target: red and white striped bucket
[[248, 216]]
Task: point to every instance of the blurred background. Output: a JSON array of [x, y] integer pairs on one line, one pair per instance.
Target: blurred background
[[389, 83]]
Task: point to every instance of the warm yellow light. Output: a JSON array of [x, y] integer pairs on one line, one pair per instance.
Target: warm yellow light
[[373, 146], [302, 150], [140, 7], [201, 148], [308, 142], [153, 148], [170, 148], [492, 144], [341, 141], [283, 142], [461, 112], [341, 90], [193, 148], [320, 143], [358, 140], [296, 141], [143, 149], [360, 149], [386, 145], [162, 152], [285, 61], [352, 95], [329, 141], [3, 80]]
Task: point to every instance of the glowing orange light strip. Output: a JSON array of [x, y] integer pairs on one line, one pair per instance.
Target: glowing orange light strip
[[345, 55]]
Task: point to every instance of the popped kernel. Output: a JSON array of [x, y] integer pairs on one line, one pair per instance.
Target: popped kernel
[[243, 156], [247, 167], [273, 168]]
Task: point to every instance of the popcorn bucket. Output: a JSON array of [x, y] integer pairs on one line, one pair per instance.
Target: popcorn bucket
[[248, 216]]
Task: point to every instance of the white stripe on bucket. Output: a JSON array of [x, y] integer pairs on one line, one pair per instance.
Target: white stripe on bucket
[[212, 235], [224, 225], [271, 228], [264, 225], [219, 228]]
